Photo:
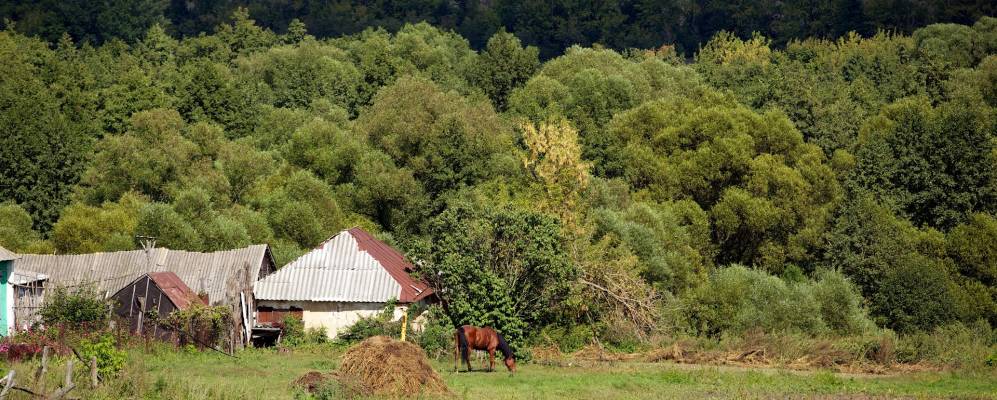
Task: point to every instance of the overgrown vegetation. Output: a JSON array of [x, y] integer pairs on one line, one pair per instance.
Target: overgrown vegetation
[[200, 325], [80, 308], [825, 188]]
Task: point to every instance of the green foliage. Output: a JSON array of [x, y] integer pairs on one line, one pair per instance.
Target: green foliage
[[935, 163], [110, 360], [16, 234], [504, 268], [437, 335], [380, 324], [200, 325], [737, 299], [586, 196], [81, 307], [292, 330], [958, 345], [503, 66], [447, 141]]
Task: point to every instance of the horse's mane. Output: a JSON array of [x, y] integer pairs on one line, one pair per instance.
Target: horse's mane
[[504, 347]]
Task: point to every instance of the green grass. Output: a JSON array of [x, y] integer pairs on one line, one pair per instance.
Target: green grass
[[259, 374]]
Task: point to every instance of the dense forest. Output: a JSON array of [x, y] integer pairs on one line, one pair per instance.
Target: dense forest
[[551, 26], [819, 186]]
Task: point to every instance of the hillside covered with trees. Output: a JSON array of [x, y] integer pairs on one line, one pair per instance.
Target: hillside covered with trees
[[819, 186]]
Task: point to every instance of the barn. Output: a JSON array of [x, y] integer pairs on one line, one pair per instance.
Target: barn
[[155, 295], [226, 276], [349, 276]]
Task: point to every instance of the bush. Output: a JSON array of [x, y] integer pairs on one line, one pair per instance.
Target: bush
[[436, 337], [737, 299], [916, 296], [316, 335], [956, 345], [110, 360], [375, 325], [83, 308], [293, 330], [200, 325]]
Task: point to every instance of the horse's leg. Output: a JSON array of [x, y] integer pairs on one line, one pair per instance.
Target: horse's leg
[[456, 353], [491, 360]]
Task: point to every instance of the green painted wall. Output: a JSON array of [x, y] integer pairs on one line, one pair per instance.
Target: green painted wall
[[6, 268]]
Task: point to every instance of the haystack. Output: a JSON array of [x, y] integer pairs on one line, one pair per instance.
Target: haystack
[[383, 366]]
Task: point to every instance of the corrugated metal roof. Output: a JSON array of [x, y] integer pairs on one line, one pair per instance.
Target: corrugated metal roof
[[221, 274], [173, 287], [396, 265], [23, 277], [7, 255], [350, 267]]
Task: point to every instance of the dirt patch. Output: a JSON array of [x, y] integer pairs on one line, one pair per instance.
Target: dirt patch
[[383, 366], [313, 381]]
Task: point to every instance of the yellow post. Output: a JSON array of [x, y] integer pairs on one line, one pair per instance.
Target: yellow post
[[404, 324]]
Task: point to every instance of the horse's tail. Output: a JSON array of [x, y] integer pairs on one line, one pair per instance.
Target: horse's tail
[[504, 347], [462, 347]]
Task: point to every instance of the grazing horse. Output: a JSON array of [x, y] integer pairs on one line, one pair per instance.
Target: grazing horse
[[471, 337]]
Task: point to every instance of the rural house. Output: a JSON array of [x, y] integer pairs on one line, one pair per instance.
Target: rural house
[[349, 276], [154, 295], [227, 276], [6, 293]]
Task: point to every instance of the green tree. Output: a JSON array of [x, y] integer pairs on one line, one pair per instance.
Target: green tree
[[447, 141], [935, 163], [502, 66], [44, 147]]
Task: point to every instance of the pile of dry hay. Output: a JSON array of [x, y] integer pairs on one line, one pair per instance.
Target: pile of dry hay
[[386, 367]]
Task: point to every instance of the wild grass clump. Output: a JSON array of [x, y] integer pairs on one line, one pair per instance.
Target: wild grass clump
[[955, 346]]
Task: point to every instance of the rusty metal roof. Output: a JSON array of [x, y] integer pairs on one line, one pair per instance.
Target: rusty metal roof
[[173, 287], [7, 255], [352, 266], [221, 274]]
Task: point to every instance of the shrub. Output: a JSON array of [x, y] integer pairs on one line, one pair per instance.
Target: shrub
[[737, 299], [293, 330], [436, 337], [316, 335], [378, 324], [110, 360], [916, 296], [83, 308], [956, 345], [200, 324]]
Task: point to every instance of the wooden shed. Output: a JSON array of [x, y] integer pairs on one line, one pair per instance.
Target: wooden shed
[[153, 295]]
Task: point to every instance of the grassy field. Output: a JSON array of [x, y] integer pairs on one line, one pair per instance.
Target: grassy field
[[265, 374]]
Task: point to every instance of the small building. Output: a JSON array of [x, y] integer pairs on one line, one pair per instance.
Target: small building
[[151, 297], [7, 258], [226, 276], [349, 276]]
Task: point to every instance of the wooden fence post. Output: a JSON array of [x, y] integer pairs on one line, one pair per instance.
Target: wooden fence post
[[8, 382], [40, 372], [93, 372], [67, 385]]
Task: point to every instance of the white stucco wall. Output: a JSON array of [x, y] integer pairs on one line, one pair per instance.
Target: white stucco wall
[[334, 316]]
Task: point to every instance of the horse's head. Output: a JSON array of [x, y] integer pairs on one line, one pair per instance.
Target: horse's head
[[510, 363]]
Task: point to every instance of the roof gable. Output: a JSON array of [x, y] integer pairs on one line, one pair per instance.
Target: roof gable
[[352, 266]]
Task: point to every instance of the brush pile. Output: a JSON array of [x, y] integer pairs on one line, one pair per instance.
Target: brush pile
[[381, 366]]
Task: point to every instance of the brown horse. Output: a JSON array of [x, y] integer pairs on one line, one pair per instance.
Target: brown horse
[[471, 337]]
